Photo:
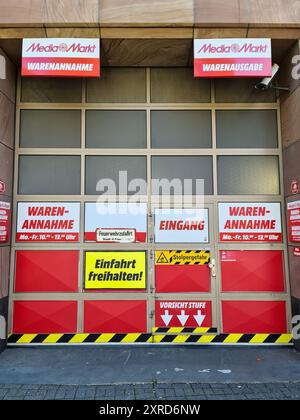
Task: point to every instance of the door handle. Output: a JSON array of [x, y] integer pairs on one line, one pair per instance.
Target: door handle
[[212, 266]]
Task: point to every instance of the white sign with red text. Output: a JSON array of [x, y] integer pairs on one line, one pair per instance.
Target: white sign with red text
[[48, 222], [294, 221], [181, 225], [61, 57], [250, 222], [115, 222], [4, 221], [233, 57]]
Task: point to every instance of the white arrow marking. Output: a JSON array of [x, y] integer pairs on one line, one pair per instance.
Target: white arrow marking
[[199, 318], [167, 318], [183, 318]]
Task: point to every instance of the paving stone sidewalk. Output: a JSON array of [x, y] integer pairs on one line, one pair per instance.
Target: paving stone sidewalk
[[155, 391]]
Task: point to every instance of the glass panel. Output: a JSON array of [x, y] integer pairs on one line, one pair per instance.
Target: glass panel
[[53, 175], [183, 168], [118, 85], [241, 90], [181, 129], [51, 89], [248, 175], [178, 85], [247, 129], [116, 129], [50, 128], [108, 167]]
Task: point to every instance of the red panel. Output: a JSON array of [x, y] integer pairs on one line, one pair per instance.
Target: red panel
[[46, 271], [252, 271], [254, 317], [45, 317], [178, 313], [200, 64], [182, 278], [60, 69], [115, 316]]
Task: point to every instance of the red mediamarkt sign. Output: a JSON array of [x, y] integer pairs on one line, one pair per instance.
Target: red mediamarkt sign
[[233, 57], [59, 57]]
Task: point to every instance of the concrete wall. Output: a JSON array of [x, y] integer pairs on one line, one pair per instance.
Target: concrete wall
[[290, 111], [7, 122], [150, 13]]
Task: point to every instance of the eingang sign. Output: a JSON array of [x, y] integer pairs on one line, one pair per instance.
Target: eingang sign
[[181, 225], [60, 57], [233, 57]]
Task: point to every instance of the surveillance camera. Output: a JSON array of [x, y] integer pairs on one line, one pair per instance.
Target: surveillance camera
[[267, 82]]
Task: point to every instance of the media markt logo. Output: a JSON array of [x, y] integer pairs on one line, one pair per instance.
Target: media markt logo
[[74, 47], [2, 67], [209, 48]]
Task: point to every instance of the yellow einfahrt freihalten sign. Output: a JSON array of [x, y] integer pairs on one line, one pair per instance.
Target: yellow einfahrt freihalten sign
[[115, 270]]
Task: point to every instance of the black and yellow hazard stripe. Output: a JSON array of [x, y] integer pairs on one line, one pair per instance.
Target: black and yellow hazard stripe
[[164, 257], [255, 339], [159, 335], [184, 330], [78, 338]]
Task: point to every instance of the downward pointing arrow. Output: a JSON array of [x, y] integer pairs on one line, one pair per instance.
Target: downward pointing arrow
[[183, 318], [199, 318], [167, 318]]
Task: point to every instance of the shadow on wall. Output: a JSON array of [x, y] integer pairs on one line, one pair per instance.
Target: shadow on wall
[[3, 317]]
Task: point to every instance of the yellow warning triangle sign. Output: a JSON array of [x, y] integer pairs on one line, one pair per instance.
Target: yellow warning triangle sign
[[162, 259]]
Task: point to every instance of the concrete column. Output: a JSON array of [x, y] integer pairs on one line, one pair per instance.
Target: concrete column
[[7, 123], [290, 111]]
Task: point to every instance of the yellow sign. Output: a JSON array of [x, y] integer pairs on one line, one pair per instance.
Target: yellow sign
[[115, 270], [182, 257]]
